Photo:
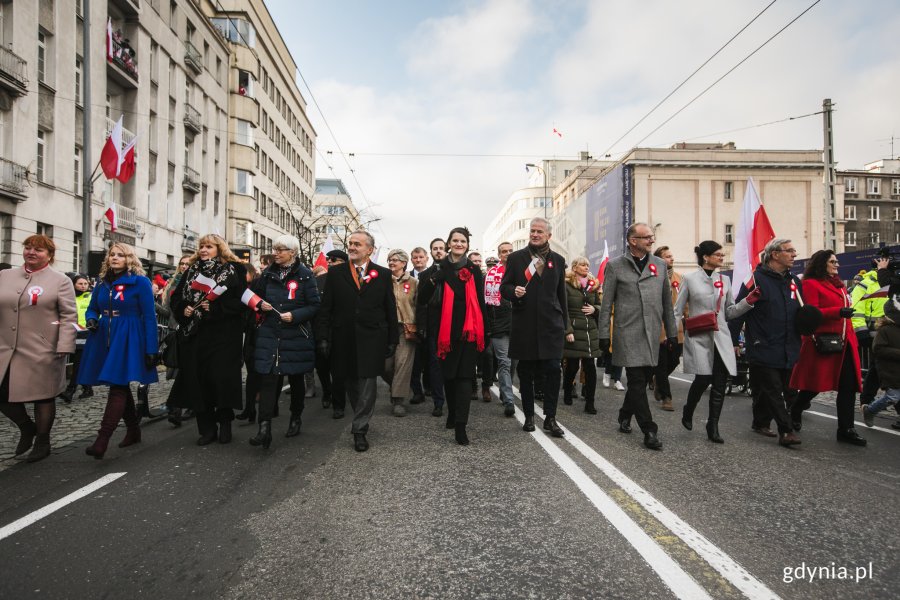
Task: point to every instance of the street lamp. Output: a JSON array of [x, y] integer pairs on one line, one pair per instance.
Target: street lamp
[[544, 175]]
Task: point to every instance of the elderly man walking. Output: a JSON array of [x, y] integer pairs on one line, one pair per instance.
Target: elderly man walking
[[636, 285], [534, 282]]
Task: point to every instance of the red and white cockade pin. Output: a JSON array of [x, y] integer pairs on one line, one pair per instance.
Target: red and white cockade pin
[[590, 285], [549, 264], [676, 285], [652, 268], [793, 291], [718, 284], [373, 274], [120, 292], [406, 288], [292, 289], [33, 293]]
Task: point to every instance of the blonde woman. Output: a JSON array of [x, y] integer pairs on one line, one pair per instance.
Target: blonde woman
[[398, 368], [582, 337], [122, 344], [207, 305]]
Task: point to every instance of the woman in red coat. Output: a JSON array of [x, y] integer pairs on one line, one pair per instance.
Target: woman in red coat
[[822, 372]]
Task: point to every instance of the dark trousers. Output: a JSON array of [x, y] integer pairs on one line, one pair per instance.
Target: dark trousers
[[458, 393], [590, 377], [269, 392], [420, 373], [208, 418], [636, 403], [871, 384], [251, 387], [774, 394], [436, 376], [486, 366], [762, 416], [545, 373], [718, 380], [668, 362], [323, 370], [846, 396]]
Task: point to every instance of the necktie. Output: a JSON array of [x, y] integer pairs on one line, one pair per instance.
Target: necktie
[[360, 271]]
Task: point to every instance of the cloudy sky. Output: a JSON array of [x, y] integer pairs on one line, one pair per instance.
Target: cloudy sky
[[443, 102]]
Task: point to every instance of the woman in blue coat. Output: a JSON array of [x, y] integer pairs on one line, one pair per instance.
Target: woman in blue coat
[[122, 344], [284, 340]]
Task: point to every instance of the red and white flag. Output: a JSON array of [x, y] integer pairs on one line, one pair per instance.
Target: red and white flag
[[601, 270], [531, 269], [322, 260], [110, 215], [109, 40], [203, 284], [216, 292], [111, 155], [557, 132], [127, 166], [251, 299], [754, 232]]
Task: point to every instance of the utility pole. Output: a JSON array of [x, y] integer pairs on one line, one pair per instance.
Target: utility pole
[[828, 156], [86, 158]]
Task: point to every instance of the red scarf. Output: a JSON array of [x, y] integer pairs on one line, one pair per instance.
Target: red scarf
[[473, 326]]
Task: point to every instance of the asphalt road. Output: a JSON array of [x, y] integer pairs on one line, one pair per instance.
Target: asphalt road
[[514, 515]]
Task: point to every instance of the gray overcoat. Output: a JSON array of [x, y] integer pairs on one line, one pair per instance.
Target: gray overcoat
[[699, 295], [643, 303]]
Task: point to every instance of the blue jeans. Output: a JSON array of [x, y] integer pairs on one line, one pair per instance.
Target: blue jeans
[[891, 396], [500, 345]]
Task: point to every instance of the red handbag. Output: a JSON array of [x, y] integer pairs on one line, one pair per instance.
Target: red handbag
[[706, 321]]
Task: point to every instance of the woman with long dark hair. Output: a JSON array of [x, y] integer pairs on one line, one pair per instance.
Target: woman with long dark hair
[[207, 304], [123, 344], [708, 353], [820, 369], [459, 286]]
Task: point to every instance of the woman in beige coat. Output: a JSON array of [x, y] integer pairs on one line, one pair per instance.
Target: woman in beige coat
[[398, 368], [37, 331]]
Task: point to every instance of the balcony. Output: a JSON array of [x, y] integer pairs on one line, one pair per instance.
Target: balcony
[[192, 57], [130, 8], [13, 180], [13, 72], [191, 237], [125, 218], [127, 135], [191, 181], [123, 66], [192, 118]]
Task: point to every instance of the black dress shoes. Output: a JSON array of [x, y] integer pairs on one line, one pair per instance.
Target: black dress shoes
[[851, 437], [651, 441], [529, 423], [553, 427], [417, 399], [438, 411], [209, 437], [360, 444], [461, 438], [687, 423], [293, 428], [625, 425], [509, 410]]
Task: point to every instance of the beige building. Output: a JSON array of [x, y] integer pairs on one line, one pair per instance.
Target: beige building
[[271, 177], [869, 201], [164, 77], [334, 214]]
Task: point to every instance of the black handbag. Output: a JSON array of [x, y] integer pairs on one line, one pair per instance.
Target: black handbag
[[829, 343]]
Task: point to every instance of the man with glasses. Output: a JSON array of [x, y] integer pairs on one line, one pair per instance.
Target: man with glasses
[[771, 339], [637, 287]]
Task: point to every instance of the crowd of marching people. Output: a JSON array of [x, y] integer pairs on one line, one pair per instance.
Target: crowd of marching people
[[434, 331]]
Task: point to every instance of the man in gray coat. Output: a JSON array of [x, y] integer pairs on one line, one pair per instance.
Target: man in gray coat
[[636, 285]]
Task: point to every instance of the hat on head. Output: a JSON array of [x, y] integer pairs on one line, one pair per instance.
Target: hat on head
[[337, 254]]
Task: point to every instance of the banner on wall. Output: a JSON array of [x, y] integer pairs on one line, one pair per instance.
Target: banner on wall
[[608, 214]]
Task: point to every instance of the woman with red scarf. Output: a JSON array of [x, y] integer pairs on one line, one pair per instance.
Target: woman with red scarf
[[823, 371], [457, 287]]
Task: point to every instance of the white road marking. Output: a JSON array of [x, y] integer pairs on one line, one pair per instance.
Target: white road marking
[[719, 560], [39, 514], [676, 578]]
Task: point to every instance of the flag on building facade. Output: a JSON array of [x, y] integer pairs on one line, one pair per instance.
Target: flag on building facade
[[111, 155], [109, 39], [127, 166], [110, 215], [754, 232]]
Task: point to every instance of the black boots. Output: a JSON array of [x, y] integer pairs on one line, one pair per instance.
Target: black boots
[[360, 443], [529, 423], [41, 449], [589, 406], [248, 414], [293, 427], [651, 441], [224, 432], [553, 427], [716, 401], [461, 438], [264, 435], [209, 437], [27, 431]]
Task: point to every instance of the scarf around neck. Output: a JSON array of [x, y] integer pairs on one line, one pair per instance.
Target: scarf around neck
[[473, 323], [213, 269]]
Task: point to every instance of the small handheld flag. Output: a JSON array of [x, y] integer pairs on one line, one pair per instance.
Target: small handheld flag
[[251, 300], [216, 292], [203, 284]]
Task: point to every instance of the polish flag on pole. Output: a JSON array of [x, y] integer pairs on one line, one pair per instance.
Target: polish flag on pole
[[251, 299], [601, 270], [110, 215], [328, 246], [557, 132], [203, 284], [111, 155], [127, 166], [754, 232], [531, 269], [109, 39]]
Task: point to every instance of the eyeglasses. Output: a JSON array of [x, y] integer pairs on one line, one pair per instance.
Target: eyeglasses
[[643, 237], [787, 250], [832, 262], [281, 249], [719, 255], [184, 264]]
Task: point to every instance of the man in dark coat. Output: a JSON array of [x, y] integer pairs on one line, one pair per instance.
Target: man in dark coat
[[771, 339], [427, 318], [358, 328], [534, 282], [332, 391]]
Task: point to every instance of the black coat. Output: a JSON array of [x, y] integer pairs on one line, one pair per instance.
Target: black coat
[[210, 360], [358, 323], [428, 314], [540, 317], [460, 362], [286, 348], [770, 336]]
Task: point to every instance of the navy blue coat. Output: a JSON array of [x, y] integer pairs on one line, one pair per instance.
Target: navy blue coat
[[286, 348], [770, 337]]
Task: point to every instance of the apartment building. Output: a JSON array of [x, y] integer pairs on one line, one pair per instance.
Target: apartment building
[[871, 204], [162, 69]]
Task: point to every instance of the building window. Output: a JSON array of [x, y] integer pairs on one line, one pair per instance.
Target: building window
[[243, 182], [42, 57], [895, 187], [873, 186], [76, 172], [729, 191], [44, 229], [79, 70], [850, 185], [850, 212], [874, 238], [850, 238], [215, 204], [897, 214], [235, 30], [41, 155], [76, 252], [874, 213], [243, 133], [245, 84], [729, 233]]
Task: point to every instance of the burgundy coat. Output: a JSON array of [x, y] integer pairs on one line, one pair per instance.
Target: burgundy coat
[[821, 372]]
